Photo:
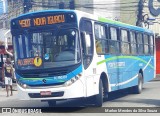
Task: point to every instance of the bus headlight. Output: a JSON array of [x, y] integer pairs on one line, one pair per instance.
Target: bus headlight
[[24, 86], [72, 80]]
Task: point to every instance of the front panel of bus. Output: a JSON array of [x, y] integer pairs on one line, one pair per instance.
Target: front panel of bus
[[47, 55]]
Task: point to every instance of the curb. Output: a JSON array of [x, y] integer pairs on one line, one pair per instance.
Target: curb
[[156, 79]]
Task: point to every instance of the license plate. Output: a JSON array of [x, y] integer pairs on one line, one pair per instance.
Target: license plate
[[45, 93]]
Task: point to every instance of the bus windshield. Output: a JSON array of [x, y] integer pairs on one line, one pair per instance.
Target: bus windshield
[[46, 49]]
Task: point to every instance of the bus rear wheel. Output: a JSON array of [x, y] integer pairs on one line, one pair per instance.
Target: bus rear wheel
[[52, 103], [99, 97], [138, 88]]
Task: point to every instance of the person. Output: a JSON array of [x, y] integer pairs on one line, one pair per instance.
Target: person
[[98, 47], [7, 70]]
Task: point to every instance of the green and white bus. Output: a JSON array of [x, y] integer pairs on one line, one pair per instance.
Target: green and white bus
[[65, 54]]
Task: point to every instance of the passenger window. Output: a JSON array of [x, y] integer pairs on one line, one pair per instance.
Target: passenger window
[[113, 41], [101, 39], [133, 43], [125, 43], [146, 44], [140, 43], [151, 45]]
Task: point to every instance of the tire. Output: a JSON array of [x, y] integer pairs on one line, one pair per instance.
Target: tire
[[52, 103], [99, 97], [138, 88]]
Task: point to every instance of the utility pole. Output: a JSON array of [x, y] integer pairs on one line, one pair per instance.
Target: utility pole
[[140, 13], [72, 4], [27, 5]]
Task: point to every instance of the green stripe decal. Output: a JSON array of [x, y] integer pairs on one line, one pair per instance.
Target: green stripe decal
[[123, 57], [111, 21]]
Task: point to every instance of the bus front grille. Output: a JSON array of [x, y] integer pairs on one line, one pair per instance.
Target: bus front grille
[[44, 74]]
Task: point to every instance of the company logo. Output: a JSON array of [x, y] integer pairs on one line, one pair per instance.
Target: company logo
[[44, 80]]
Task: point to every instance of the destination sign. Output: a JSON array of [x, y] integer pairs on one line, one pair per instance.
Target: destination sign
[[42, 21]]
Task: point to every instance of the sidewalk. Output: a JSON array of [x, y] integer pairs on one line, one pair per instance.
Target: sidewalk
[[157, 78], [3, 93]]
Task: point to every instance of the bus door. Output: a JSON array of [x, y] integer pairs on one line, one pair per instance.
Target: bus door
[[87, 51]]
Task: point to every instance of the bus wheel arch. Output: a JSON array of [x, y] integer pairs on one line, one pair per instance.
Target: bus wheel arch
[[103, 90]]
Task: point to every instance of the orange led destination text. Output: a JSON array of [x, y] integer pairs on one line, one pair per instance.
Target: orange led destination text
[[48, 20], [56, 19], [25, 23], [25, 62], [40, 21]]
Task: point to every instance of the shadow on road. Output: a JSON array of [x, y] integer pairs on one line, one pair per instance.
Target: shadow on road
[[83, 105]]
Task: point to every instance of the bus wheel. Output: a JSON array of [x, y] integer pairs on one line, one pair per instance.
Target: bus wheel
[[138, 88], [99, 98], [52, 103]]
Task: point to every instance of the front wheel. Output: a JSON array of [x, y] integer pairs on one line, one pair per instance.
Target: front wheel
[[99, 97]]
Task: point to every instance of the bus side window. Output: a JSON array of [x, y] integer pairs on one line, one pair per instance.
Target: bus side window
[[151, 45], [113, 42], [101, 39], [133, 43], [140, 43], [146, 44], [125, 43]]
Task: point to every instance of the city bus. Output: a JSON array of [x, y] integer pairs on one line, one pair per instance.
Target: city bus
[[70, 54]]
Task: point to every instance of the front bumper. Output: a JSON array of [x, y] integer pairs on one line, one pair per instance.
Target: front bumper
[[76, 90]]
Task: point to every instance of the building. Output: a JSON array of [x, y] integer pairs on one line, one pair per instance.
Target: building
[[151, 20], [3, 6]]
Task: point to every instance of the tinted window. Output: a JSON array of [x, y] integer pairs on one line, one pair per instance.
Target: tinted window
[[101, 39], [146, 44], [151, 45], [133, 43], [140, 43], [124, 44], [113, 42]]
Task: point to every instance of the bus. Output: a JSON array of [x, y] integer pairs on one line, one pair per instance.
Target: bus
[[69, 54]]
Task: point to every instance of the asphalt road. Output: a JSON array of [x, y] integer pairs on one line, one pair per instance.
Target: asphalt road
[[149, 98]]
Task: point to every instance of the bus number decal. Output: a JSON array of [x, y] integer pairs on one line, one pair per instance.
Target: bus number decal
[[25, 23]]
